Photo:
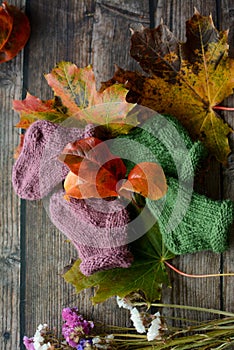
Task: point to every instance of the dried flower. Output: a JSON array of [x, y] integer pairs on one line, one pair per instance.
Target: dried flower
[[122, 302], [39, 339], [103, 343], [137, 320], [75, 326], [28, 343], [85, 344], [153, 331]]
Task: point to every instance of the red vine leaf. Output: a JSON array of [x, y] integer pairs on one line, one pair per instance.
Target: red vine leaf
[[147, 179], [6, 24], [19, 147], [94, 171], [14, 31], [186, 80], [32, 109]]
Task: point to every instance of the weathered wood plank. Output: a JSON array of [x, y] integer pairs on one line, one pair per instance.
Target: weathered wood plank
[[86, 32], [11, 77], [184, 290], [61, 30], [227, 21], [111, 35]]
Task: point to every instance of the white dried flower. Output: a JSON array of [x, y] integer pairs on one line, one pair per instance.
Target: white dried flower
[[123, 303], [137, 320], [153, 331], [38, 339], [103, 343]]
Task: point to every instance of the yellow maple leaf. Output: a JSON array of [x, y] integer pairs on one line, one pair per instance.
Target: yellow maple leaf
[[187, 80]]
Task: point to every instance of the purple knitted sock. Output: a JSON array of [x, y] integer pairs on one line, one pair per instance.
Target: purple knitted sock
[[37, 170], [96, 227]]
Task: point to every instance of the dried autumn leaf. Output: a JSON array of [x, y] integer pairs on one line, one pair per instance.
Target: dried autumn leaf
[[6, 24], [187, 80], [19, 147], [76, 88], [14, 31], [147, 273], [32, 109], [76, 96], [147, 179], [95, 172]]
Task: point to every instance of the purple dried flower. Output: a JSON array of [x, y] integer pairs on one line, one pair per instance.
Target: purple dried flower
[[85, 344], [28, 343], [75, 326]]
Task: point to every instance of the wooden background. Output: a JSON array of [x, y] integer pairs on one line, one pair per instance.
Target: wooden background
[[32, 252]]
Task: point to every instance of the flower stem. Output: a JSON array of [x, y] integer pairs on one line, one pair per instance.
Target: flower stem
[[197, 276], [194, 308]]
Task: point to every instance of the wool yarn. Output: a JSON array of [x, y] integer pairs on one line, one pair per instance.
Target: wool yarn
[[97, 228], [37, 170], [190, 223], [164, 140]]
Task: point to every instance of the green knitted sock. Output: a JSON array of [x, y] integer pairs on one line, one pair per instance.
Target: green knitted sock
[[192, 223], [161, 139]]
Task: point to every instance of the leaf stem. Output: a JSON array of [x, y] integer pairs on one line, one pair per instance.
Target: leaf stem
[[222, 108], [197, 276]]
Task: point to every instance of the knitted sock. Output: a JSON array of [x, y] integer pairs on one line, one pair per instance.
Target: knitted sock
[[37, 170], [97, 228], [163, 140], [189, 226]]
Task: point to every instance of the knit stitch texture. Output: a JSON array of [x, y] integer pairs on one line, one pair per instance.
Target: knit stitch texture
[[189, 226], [37, 170], [97, 228], [162, 139]]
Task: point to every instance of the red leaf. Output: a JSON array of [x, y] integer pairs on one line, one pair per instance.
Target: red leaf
[[32, 109], [95, 172], [6, 25], [19, 147], [17, 36], [147, 179]]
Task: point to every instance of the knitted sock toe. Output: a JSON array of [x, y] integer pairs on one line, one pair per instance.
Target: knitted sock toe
[[37, 171], [108, 259], [25, 176], [97, 228], [190, 226]]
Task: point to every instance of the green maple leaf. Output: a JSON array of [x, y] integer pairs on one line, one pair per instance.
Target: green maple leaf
[[147, 273], [76, 96], [186, 80]]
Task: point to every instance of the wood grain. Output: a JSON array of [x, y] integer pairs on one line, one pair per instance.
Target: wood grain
[[89, 32], [11, 79], [226, 17], [61, 30], [191, 291]]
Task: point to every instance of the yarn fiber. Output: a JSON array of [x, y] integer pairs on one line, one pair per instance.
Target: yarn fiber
[[161, 139], [37, 170], [192, 224], [97, 228]]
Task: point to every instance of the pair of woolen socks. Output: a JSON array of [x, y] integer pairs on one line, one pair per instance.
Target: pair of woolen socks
[[96, 227], [188, 222]]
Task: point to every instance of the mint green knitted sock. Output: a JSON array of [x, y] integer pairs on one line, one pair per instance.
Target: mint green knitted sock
[[161, 139], [192, 223]]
